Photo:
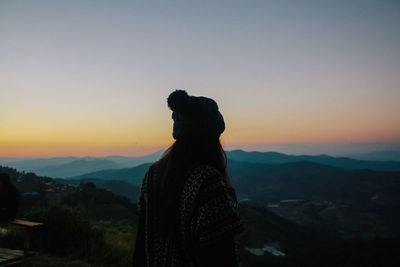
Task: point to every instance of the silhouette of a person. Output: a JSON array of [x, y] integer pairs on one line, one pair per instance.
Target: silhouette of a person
[[9, 199], [188, 212]]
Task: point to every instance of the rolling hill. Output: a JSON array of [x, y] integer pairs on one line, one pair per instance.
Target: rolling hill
[[353, 202], [72, 166], [301, 244], [118, 187], [132, 176], [386, 155], [295, 180], [307, 192], [309, 180], [340, 162], [76, 167]]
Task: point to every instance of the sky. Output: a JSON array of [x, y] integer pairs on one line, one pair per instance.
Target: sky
[[92, 77]]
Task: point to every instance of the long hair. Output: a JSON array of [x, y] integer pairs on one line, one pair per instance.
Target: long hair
[[174, 165]]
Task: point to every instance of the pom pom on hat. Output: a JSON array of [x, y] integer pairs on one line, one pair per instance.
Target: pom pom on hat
[[178, 100]]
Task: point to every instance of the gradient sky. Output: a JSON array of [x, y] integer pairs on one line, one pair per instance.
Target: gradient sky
[[92, 77]]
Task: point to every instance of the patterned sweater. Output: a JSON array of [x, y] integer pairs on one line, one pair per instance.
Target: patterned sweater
[[208, 214]]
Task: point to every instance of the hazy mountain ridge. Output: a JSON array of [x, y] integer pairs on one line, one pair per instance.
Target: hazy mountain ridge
[[132, 175], [77, 167], [63, 167], [340, 162], [28, 164], [386, 155]]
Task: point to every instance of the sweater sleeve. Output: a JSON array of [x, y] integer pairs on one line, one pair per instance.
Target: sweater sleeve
[[216, 215]]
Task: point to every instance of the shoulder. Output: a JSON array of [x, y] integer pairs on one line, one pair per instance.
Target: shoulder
[[154, 167], [147, 176], [151, 171]]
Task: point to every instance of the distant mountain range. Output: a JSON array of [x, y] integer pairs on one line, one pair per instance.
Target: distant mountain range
[[340, 162], [132, 175], [389, 155], [76, 167], [293, 180], [73, 166]]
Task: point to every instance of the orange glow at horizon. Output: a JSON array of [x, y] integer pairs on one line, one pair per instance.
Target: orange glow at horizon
[[49, 137]]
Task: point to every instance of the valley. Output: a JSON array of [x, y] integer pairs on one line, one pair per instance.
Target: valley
[[293, 211]]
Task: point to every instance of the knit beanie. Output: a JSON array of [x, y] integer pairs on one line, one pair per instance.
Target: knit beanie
[[194, 116]]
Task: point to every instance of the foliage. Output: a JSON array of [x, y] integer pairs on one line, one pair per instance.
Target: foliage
[[85, 225], [90, 226], [68, 232]]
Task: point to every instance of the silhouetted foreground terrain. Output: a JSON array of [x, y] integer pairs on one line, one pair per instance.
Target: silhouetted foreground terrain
[[296, 214], [83, 223]]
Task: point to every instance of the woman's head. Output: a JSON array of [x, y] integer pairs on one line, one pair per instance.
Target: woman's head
[[198, 125]]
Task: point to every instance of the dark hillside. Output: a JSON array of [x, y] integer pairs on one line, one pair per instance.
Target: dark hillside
[[80, 223], [354, 202], [340, 162], [305, 246], [98, 227], [118, 187], [308, 180]]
